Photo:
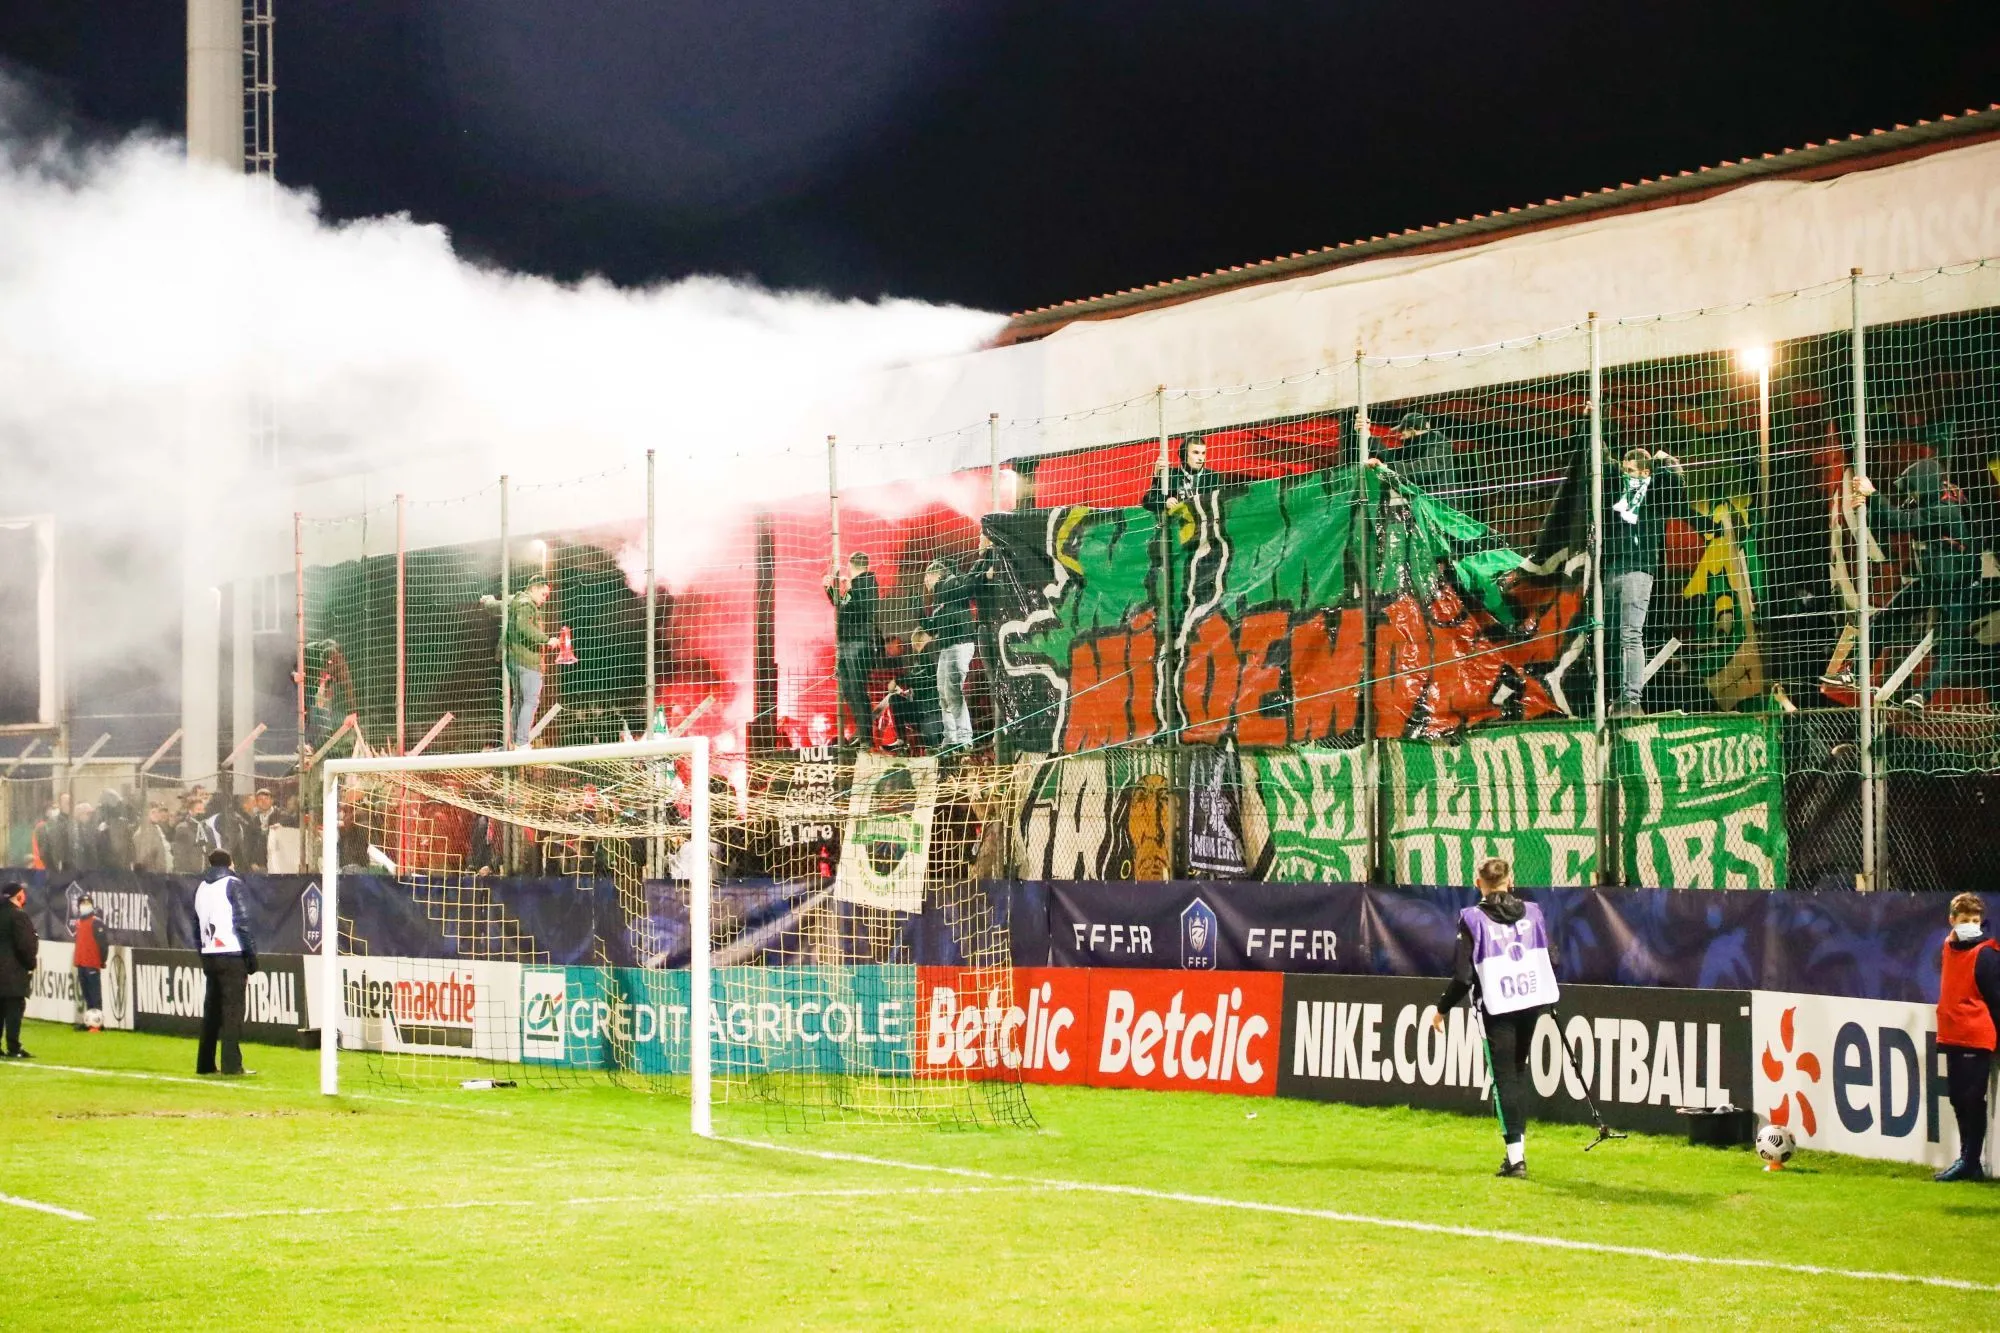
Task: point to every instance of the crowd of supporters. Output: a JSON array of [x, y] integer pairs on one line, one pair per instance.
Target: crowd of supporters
[[120, 832]]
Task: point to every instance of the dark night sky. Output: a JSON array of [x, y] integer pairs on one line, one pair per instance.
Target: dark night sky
[[1007, 153]]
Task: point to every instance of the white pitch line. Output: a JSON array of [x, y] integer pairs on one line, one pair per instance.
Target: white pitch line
[[597, 1201], [214, 1081], [49, 1208], [1391, 1223], [238, 1085]]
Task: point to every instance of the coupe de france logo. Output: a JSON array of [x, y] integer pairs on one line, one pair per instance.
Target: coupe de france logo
[[311, 904], [1198, 936]]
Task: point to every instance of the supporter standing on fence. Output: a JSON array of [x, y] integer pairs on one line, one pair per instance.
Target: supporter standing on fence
[[856, 643], [1504, 961], [92, 948], [520, 653], [947, 627], [228, 959], [1944, 585], [1646, 491], [1968, 1028], [18, 948]]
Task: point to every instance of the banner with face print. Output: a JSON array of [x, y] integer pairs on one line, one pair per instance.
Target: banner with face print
[[888, 842]]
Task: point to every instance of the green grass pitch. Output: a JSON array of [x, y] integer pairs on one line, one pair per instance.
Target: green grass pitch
[[263, 1205]]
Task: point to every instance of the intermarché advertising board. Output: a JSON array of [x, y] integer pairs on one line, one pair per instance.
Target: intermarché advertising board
[[1640, 1052]]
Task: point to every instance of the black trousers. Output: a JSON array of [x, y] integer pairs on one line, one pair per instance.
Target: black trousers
[[89, 993], [852, 665], [1510, 1038], [1965, 1072], [12, 1009], [222, 1013]]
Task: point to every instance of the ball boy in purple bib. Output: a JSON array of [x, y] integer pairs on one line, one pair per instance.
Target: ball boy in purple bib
[[1503, 960]]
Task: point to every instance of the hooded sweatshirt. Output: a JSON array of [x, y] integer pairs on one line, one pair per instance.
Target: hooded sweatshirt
[[1503, 908]]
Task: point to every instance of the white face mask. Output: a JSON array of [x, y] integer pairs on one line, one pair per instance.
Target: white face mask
[[1969, 930]]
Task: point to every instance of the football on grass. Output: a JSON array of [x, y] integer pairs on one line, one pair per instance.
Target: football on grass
[[1775, 1144]]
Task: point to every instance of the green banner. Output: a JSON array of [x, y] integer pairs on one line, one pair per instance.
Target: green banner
[[1703, 801], [1235, 614], [1701, 806]]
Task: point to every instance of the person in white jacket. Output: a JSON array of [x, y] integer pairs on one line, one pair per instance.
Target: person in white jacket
[[228, 957]]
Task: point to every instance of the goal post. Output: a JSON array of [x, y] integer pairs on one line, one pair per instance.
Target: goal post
[[501, 784], [820, 938]]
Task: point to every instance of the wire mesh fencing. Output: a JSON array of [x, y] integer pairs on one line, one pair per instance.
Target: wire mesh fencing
[[1701, 599]]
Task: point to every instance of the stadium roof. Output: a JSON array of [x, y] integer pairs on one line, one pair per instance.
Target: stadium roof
[[1814, 161]]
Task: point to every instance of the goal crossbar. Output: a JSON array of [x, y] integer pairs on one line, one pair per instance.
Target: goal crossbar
[[694, 748]]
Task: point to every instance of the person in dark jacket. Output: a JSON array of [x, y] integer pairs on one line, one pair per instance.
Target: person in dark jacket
[[857, 645], [194, 836], [93, 946], [18, 947], [1930, 511], [1642, 496], [55, 838], [1427, 459], [948, 630], [1176, 488], [911, 696], [985, 575], [114, 830], [228, 960], [86, 839], [1968, 1028], [1505, 963]]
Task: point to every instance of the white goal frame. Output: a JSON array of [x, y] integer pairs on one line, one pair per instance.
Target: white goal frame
[[700, 980]]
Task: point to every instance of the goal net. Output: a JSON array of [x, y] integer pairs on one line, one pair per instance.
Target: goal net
[[584, 914]]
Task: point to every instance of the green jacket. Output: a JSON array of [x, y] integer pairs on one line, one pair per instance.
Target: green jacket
[[522, 644]]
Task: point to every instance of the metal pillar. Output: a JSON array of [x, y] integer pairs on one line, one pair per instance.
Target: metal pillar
[[215, 40], [1364, 533], [861, 724], [1608, 869], [1864, 667], [402, 628], [242, 686], [299, 630], [1164, 694], [652, 595], [1764, 441], [506, 605], [993, 461]]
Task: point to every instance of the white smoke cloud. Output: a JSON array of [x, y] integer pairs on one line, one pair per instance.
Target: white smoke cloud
[[145, 303]]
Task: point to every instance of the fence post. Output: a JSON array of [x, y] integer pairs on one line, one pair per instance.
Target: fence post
[[299, 628], [863, 726], [993, 461], [402, 621], [1163, 613], [506, 605], [1364, 533], [1864, 668], [1608, 867], [652, 597]]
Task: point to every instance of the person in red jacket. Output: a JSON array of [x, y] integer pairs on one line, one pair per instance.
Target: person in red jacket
[[93, 946], [1968, 1003]]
